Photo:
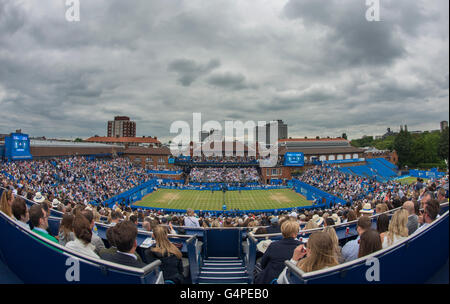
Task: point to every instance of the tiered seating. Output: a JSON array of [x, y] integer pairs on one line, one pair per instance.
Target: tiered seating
[[363, 171], [387, 163], [397, 264], [54, 261], [380, 168]]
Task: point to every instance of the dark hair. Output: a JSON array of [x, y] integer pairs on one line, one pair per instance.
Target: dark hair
[[82, 228], [89, 215], [370, 242], [110, 236], [329, 221], [36, 213], [133, 218], [19, 208], [351, 216], [261, 230], [382, 223], [116, 215], [45, 207], [125, 235], [364, 223], [66, 223], [432, 209]]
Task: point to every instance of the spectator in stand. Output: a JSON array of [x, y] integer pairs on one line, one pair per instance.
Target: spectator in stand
[[398, 229], [441, 196], [382, 223], [125, 234], [319, 252], [351, 248], [95, 240], [318, 220], [351, 216], [116, 216], [83, 236], [20, 212], [366, 210], [430, 213], [274, 227], [370, 242], [328, 222], [190, 220], [272, 262], [39, 220], [338, 249], [413, 219], [311, 225], [381, 208], [134, 219], [6, 202], [168, 253], [65, 233]]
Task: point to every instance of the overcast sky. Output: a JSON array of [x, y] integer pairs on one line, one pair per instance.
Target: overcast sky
[[317, 64]]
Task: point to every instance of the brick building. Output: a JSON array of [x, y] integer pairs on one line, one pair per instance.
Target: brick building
[[121, 126]]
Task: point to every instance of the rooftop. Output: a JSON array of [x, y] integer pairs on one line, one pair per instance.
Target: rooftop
[[139, 140]]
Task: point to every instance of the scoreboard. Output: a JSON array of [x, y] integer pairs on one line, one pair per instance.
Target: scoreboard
[[294, 159], [17, 147]]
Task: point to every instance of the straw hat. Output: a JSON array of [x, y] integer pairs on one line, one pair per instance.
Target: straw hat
[[336, 218], [367, 208], [38, 198], [55, 203], [317, 219]]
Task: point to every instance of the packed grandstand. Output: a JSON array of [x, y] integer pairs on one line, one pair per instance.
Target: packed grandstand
[[68, 204]]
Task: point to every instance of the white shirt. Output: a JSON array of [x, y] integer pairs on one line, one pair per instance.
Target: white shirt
[[87, 249], [22, 224], [397, 239]]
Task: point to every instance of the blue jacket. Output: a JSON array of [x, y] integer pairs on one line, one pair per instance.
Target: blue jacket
[[273, 259]]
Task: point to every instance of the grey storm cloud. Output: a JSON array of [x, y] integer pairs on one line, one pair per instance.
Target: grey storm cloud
[[228, 80], [189, 70], [317, 64]]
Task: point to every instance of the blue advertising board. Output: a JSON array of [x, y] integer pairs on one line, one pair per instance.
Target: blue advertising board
[[294, 159]]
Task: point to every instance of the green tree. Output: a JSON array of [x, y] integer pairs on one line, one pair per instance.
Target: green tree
[[78, 140], [443, 144], [403, 144], [344, 135]]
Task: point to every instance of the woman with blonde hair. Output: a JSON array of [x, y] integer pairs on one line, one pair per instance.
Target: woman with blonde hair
[[6, 202], [332, 233], [311, 225], [397, 230], [320, 253], [168, 253]]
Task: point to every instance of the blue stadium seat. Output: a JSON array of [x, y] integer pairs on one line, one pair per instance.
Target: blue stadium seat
[[411, 261], [34, 262]]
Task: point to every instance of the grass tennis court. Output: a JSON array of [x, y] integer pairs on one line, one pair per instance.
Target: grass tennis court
[[410, 180], [206, 200]]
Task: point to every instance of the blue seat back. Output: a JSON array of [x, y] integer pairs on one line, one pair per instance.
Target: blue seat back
[[194, 259], [35, 259], [222, 242], [411, 261]]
